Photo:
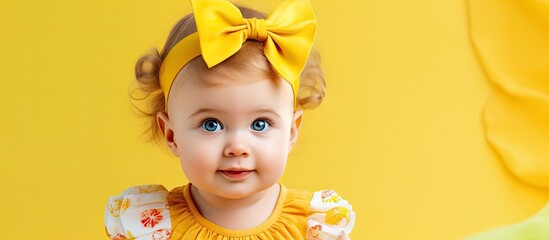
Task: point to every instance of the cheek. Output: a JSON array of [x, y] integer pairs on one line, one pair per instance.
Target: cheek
[[197, 156], [274, 153], [272, 165]]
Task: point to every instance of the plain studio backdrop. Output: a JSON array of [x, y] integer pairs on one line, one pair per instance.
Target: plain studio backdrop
[[400, 134]]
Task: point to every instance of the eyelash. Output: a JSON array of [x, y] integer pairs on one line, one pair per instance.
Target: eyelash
[[271, 124], [210, 119], [266, 120]]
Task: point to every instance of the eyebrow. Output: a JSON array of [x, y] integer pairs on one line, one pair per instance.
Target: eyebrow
[[203, 110], [209, 110], [265, 111]]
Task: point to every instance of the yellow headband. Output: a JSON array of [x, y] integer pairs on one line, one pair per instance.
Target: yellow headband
[[287, 35]]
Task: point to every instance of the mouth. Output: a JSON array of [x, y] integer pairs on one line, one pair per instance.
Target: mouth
[[235, 174]]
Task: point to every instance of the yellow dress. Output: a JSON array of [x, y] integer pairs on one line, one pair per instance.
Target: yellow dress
[[152, 212]]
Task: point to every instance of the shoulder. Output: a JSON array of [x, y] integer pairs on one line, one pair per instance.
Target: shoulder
[[330, 216], [139, 211]]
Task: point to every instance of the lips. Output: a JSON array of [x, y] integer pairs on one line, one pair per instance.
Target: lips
[[236, 174]]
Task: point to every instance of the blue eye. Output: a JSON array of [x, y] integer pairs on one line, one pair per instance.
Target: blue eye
[[211, 125], [261, 125]]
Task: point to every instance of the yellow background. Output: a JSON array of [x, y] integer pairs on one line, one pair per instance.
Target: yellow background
[[399, 135]]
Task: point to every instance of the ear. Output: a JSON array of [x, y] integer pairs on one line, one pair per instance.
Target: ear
[[296, 124], [163, 122]]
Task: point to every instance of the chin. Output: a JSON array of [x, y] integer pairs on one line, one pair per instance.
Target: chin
[[241, 191], [237, 193]]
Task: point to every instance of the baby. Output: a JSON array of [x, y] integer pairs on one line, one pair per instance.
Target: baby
[[227, 95]]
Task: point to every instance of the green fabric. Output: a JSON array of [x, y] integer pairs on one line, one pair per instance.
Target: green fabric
[[535, 228]]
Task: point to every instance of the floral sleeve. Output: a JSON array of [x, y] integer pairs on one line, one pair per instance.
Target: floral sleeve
[[330, 216], [139, 212]]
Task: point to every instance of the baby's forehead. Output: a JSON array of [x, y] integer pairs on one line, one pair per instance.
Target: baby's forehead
[[198, 75], [234, 80], [226, 84], [228, 71], [237, 93]]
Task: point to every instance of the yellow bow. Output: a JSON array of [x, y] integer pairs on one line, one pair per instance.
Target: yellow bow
[[288, 35]]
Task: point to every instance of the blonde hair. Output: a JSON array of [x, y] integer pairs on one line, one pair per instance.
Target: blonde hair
[[250, 57]]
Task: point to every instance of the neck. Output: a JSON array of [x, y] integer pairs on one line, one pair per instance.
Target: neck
[[237, 214]]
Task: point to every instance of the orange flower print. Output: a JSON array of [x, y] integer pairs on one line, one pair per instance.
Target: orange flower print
[[330, 196], [312, 232], [151, 217], [161, 234], [119, 237], [327, 193]]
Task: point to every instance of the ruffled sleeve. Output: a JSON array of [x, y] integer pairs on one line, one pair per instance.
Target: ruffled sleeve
[[330, 216], [139, 212]]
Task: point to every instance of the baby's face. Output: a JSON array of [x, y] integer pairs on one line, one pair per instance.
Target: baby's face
[[233, 138]]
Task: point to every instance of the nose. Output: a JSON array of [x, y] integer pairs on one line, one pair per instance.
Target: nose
[[236, 146]]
